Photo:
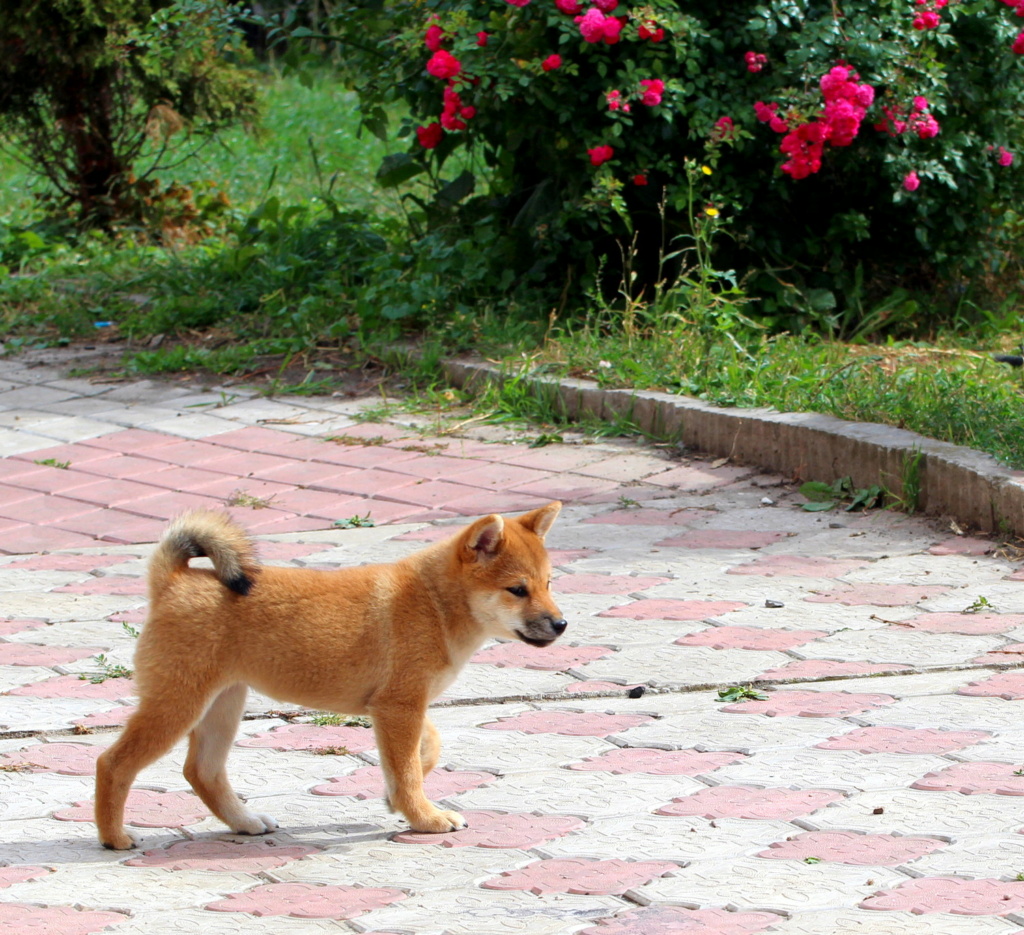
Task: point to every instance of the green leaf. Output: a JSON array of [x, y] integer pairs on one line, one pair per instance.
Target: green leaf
[[818, 507], [817, 491], [398, 168]]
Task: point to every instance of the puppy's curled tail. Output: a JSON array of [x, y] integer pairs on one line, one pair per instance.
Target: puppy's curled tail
[[210, 533]]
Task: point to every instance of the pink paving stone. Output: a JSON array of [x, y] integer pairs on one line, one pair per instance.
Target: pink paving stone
[[185, 453], [568, 487], [115, 717], [373, 482], [483, 502], [651, 517], [66, 562], [257, 438], [1011, 652], [309, 900], [605, 584], [68, 759], [569, 723], [161, 506], [312, 737], [657, 762], [954, 895], [568, 556], [757, 638], [114, 492], [118, 466], [106, 585], [181, 478], [557, 458], [879, 595], [56, 480], [360, 458], [581, 876], [848, 847], [501, 476], [810, 704], [135, 615], [499, 830], [287, 551], [1006, 685], [723, 539], [811, 670], [383, 512], [368, 783], [374, 430], [20, 873], [438, 467], [314, 474], [974, 778], [147, 809], [696, 478], [751, 802], [118, 525], [550, 659], [431, 534], [248, 465], [71, 686], [431, 493], [77, 454], [30, 654], [230, 856], [904, 740], [43, 508], [675, 920], [20, 625], [962, 545], [290, 523], [134, 440], [968, 624], [26, 538], [795, 565], [668, 609], [17, 919]]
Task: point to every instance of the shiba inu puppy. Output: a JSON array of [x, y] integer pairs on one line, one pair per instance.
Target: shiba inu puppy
[[381, 640]]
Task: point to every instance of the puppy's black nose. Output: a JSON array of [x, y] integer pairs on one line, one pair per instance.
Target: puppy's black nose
[[559, 626]]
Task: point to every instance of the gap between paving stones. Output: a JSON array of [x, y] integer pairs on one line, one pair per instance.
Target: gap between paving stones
[[967, 485], [563, 696]]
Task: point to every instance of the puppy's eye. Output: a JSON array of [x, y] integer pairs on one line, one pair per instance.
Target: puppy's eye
[[518, 591]]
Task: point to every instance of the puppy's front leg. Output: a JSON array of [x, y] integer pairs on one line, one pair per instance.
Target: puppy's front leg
[[400, 733]]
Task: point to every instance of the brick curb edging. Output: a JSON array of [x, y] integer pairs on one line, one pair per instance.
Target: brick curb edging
[[967, 485]]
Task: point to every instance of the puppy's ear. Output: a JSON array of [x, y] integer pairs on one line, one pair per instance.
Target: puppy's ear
[[539, 521], [483, 538]]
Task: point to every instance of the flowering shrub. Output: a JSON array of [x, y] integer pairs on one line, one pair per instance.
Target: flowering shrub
[[859, 142]]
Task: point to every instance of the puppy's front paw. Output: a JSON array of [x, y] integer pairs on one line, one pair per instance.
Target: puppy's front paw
[[438, 822], [122, 841], [252, 823]]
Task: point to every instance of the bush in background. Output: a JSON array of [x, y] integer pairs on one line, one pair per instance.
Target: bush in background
[[856, 151]]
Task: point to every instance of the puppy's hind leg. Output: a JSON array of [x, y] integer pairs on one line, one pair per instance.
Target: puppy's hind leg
[[430, 746], [208, 748], [150, 732]]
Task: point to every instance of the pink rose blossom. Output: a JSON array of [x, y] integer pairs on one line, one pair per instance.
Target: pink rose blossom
[[1005, 157], [430, 135], [652, 31], [606, 6], [433, 37], [481, 39], [596, 27], [640, 179], [926, 20], [552, 63], [654, 88], [1018, 44], [911, 182], [600, 154], [764, 112], [517, 2], [443, 64], [755, 61], [572, 7]]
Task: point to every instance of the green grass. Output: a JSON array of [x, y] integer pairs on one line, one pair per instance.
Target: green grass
[[275, 160]]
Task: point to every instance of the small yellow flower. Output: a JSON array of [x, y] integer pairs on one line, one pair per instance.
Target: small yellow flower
[[706, 170], [711, 212]]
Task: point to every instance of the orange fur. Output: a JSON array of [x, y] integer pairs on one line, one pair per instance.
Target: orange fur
[[382, 640]]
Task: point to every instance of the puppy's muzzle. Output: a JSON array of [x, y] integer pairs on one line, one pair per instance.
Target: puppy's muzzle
[[542, 631]]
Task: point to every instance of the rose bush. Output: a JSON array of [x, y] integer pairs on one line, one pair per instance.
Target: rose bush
[[860, 146]]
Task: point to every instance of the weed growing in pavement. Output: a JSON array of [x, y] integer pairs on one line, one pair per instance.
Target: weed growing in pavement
[[54, 463], [243, 498], [740, 693], [108, 670], [329, 719], [355, 522], [979, 605], [822, 497]]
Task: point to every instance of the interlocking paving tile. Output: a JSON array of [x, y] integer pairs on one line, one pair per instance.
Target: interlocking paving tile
[[312, 737], [1007, 685], [147, 809], [903, 740], [499, 830], [229, 856], [552, 659], [952, 895], [729, 637], [751, 802], [657, 762], [70, 759], [368, 783], [308, 900], [974, 778], [67, 920], [783, 703], [584, 877], [575, 723], [675, 920], [848, 847]]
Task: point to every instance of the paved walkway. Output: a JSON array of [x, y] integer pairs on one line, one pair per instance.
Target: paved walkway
[[876, 789]]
